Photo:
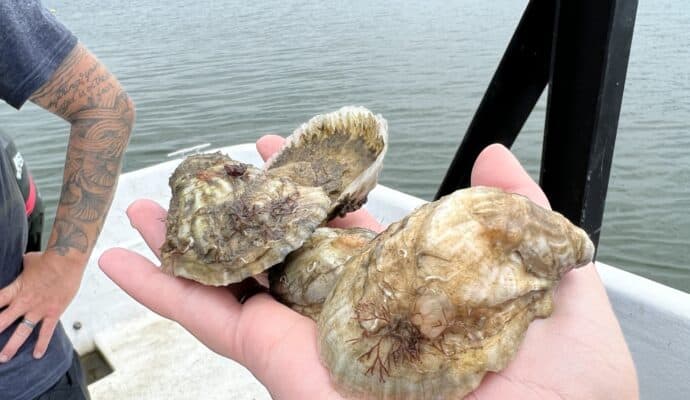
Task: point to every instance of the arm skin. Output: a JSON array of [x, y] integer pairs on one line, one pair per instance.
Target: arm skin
[[101, 114], [578, 353]]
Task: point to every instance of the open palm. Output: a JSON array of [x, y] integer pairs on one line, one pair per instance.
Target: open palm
[[577, 353]]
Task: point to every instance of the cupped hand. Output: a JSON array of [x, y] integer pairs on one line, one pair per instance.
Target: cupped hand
[[40, 294], [578, 353]]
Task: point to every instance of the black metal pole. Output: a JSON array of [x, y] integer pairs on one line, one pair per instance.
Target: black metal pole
[[515, 88], [589, 63]]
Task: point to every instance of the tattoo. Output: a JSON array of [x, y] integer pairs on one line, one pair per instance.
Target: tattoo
[[68, 236], [83, 92]]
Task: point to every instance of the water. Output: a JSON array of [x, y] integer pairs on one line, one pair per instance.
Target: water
[[227, 72]]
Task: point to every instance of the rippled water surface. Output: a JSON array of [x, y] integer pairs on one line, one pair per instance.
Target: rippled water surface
[[225, 72]]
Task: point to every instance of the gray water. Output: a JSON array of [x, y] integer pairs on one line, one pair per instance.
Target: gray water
[[226, 72]]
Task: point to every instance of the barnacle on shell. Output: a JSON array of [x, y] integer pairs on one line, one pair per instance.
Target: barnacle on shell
[[228, 220], [308, 274], [445, 295]]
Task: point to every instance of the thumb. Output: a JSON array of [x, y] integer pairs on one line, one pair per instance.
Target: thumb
[[497, 167], [268, 145]]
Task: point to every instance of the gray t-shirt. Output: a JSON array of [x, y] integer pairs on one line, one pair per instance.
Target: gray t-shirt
[[32, 45]]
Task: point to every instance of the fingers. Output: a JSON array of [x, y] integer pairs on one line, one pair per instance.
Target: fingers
[[360, 218], [267, 145], [8, 293], [12, 312], [263, 323], [142, 280], [209, 313], [47, 329], [244, 290], [21, 333], [496, 166], [269, 337], [148, 217], [7, 318]]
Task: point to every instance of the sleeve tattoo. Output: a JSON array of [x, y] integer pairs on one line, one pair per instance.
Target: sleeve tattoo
[[84, 93]]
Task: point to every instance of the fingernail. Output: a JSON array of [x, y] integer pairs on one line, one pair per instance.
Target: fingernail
[[38, 355], [3, 358]]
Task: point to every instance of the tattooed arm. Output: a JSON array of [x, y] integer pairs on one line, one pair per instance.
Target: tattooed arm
[[84, 93], [101, 114]]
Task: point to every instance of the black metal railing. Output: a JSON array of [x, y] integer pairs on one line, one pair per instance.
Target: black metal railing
[[579, 48]]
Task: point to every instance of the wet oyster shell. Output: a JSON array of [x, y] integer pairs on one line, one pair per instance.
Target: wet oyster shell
[[308, 274], [445, 295], [341, 151], [228, 220]]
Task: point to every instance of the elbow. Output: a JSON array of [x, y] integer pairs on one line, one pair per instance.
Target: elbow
[[106, 123], [118, 109], [125, 113], [126, 110]]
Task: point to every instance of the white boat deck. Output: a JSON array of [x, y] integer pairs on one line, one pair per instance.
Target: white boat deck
[[154, 358]]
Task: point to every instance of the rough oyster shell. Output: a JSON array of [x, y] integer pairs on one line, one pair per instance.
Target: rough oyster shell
[[445, 295], [308, 274], [341, 151], [228, 220]]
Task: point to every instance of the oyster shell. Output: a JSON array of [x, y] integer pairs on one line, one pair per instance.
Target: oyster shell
[[308, 274], [228, 220], [445, 295], [341, 151]]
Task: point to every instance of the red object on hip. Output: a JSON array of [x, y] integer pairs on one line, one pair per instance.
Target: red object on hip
[[31, 199]]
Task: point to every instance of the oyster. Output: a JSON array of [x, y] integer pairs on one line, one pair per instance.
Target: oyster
[[341, 151], [228, 220], [309, 273], [445, 295]]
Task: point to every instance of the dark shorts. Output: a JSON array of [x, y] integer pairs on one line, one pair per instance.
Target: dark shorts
[[72, 385]]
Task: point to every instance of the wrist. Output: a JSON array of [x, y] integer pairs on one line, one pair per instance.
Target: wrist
[[70, 259]]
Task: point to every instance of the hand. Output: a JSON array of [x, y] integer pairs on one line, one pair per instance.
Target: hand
[[578, 353], [41, 293]]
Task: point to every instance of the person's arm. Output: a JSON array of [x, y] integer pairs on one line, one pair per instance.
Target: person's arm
[[101, 114], [84, 93]]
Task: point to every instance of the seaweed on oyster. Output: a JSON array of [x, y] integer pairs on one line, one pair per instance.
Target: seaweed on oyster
[[309, 273], [228, 220], [445, 295]]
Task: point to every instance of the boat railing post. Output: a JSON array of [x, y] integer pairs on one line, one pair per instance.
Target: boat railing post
[[589, 62], [581, 49]]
